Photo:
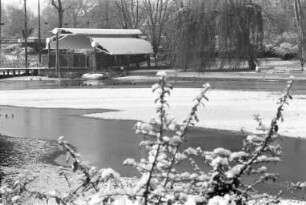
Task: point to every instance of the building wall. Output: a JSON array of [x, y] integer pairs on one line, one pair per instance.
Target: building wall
[[81, 61]]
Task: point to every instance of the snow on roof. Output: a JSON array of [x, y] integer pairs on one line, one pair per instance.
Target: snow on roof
[[110, 41], [124, 46], [111, 46], [71, 42], [97, 32]]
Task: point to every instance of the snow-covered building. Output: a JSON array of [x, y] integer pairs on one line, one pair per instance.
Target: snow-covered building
[[98, 49]]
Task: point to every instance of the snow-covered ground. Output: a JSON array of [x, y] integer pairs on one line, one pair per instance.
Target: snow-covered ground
[[230, 110]]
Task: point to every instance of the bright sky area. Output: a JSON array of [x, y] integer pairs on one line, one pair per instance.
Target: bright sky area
[[31, 4]]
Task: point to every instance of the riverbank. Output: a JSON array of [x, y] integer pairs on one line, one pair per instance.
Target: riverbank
[[34, 159], [268, 70], [48, 176], [21, 151]]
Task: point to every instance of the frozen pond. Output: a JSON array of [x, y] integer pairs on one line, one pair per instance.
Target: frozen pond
[[106, 143], [227, 109], [105, 136]]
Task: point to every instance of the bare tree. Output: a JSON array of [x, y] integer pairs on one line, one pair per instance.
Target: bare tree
[[97, 14], [58, 5], [79, 8], [299, 17], [107, 12], [130, 13], [158, 13]]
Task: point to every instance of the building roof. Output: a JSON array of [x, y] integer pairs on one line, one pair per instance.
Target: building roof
[[72, 42], [109, 41], [123, 46], [97, 32]]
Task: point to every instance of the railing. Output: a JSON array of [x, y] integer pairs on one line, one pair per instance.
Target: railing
[[9, 41]]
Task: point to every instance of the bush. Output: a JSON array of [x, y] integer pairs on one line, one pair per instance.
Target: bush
[[219, 181]]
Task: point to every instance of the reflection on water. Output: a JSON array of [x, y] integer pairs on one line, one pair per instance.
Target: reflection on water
[[93, 83], [36, 84], [107, 143], [103, 143]]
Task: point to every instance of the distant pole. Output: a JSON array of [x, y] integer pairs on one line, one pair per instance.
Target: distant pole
[[25, 35], [0, 31], [48, 43], [57, 57], [95, 61], [94, 66], [39, 36]]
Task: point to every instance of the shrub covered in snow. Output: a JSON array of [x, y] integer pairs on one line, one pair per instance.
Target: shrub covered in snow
[[215, 177]]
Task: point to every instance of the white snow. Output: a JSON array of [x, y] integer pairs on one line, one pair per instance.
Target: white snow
[[229, 110]]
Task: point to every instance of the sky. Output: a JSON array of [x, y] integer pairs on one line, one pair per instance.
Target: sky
[[31, 4]]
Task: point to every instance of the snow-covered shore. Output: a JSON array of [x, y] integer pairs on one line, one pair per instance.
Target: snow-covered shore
[[229, 110]]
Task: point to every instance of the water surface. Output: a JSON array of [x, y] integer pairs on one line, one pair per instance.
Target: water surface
[[299, 87], [107, 143]]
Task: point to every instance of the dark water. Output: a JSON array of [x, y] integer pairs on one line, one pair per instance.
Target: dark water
[[36, 84], [107, 143]]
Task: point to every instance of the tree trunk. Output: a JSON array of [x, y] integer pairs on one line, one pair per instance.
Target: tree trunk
[[299, 22], [252, 65], [60, 11], [251, 57], [75, 21], [60, 18]]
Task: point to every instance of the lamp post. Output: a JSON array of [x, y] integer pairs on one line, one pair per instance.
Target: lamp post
[[94, 67], [56, 32], [0, 32], [48, 43], [39, 36], [25, 36], [1, 24]]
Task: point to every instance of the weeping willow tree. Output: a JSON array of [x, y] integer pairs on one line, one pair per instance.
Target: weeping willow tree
[[218, 33]]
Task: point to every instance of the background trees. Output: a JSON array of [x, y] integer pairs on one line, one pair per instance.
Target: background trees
[[14, 22], [219, 33], [77, 10], [299, 18], [60, 7], [197, 33], [130, 13], [158, 13], [102, 15]]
